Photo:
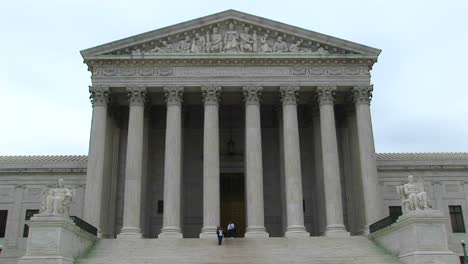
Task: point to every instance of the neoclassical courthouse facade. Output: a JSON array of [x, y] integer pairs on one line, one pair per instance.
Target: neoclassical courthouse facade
[[230, 117]]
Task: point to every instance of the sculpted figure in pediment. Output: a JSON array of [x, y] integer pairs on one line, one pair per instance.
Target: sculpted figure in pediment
[[246, 41], [264, 47], [164, 48], [296, 47], [231, 43], [184, 45], [198, 44], [280, 45], [215, 43], [231, 39], [321, 50]]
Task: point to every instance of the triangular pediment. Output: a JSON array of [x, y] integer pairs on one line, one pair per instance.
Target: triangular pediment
[[227, 33]]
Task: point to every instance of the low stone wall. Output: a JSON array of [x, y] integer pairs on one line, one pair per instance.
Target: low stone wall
[[417, 237], [55, 240]]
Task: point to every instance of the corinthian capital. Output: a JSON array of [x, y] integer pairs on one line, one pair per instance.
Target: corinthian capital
[[211, 94], [99, 95], [173, 95], [362, 94], [252, 94], [136, 95], [326, 94], [289, 94]]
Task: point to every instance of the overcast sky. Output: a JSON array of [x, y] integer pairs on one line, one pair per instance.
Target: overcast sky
[[420, 81]]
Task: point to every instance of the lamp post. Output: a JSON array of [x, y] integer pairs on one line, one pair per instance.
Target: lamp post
[[465, 259]]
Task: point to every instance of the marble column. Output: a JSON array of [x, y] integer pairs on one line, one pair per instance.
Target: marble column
[[134, 165], [173, 164], [292, 163], [330, 162], [373, 203], [211, 195], [96, 156], [254, 163]]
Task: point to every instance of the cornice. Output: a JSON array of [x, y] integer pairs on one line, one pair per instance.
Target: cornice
[[232, 59]]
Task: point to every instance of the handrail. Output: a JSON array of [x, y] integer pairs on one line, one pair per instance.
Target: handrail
[[382, 223], [84, 225]]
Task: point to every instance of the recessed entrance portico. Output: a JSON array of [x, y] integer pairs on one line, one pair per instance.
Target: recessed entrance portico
[[300, 102]]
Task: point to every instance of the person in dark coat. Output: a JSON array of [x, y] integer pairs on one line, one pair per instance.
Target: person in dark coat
[[219, 233]]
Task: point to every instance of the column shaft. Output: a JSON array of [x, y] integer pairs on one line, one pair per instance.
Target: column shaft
[[211, 195], [134, 164], [372, 201], [96, 157], [254, 163], [331, 166], [173, 164], [292, 164]]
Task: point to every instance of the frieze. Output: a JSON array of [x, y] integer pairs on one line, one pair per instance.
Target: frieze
[[230, 36], [163, 71]]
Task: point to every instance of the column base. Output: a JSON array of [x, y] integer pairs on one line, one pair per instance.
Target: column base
[[256, 232], [208, 232], [366, 231], [336, 231], [296, 231], [170, 232], [130, 233]]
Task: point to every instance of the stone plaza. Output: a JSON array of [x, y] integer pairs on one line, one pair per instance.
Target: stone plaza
[[234, 117]]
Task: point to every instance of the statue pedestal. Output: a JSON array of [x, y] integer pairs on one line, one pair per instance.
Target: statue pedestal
[[417, 237], [55, 239]]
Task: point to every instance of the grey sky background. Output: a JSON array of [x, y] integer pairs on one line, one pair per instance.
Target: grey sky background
[[420, 82]]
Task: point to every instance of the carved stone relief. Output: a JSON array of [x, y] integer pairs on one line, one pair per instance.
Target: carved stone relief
[[451, 188], [148, 71], [6, 195], [231, 36], [34, 194]]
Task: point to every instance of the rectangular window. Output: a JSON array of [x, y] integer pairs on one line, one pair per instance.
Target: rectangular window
[[394, 211], [456, 218], [3, 221], [29, 214]]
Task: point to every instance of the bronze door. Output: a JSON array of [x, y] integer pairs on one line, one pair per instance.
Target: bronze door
[[233, 202]]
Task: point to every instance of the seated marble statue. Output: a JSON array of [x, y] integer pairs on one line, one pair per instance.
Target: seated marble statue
[[58, 200], [412, 196]]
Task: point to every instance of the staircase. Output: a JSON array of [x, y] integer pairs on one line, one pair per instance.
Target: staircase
[[315, 250]]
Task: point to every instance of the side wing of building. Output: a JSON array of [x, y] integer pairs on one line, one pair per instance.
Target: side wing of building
[[23, 182], [25, 179]]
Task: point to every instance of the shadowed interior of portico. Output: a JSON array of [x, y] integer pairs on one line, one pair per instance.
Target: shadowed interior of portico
[[232, 161]]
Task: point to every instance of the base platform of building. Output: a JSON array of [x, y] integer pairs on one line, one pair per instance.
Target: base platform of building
[[356, 249]]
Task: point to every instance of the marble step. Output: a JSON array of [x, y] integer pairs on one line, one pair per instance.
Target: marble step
[[239, 250]]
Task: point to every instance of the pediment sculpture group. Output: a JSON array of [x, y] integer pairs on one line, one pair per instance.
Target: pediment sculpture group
[[231, 41], [413, 197]]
